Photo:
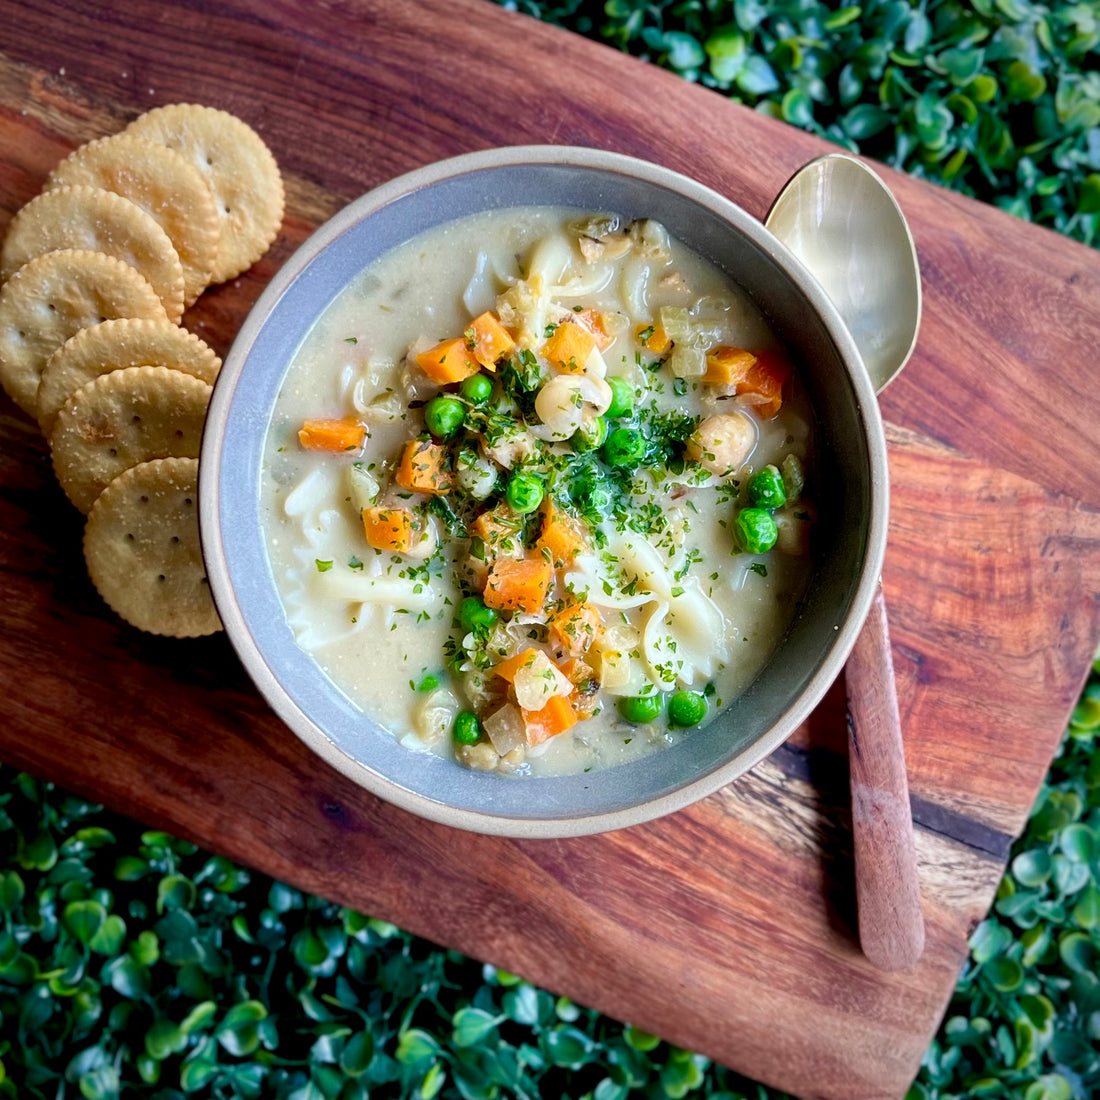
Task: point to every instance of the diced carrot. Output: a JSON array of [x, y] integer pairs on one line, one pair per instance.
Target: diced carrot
[[759, 376], [653, 338], [507, 670], [586, 686], [594, 321], [389, 528], [499, 529], [726, 366], [488, 340], [421, 468], [766, 379], [554, 718], [347, 434], [448, 362], [561, 534], [577, 671], [569, 347], [518, 585], [574, 628]]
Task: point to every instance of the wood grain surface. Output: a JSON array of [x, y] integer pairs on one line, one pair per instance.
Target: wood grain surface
[[728, 928]]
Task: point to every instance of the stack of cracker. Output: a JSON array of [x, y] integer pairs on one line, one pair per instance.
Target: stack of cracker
[[97, 271]]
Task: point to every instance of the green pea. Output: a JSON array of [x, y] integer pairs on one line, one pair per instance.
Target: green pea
[[686, 708], [477, 389], [600, 499], [625, 447], [444, 416], [472, 614], [766, 489], [524, 493], [429, 683], [622, 399], [756, 530], [640, 709], [590, 435], [594, 498], [467, 728]]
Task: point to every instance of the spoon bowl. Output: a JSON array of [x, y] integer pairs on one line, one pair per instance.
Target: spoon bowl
[[843, 223]]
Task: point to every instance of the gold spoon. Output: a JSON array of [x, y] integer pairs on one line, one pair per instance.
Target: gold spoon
[[841, 220]]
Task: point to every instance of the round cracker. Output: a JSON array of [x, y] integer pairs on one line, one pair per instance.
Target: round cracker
[[237, 166], [114, 345], [100, 221], [124, 418], [54, 296], [141, 546], [161, 181]]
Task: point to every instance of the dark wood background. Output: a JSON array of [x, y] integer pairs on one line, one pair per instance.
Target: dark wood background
[[729, 927]]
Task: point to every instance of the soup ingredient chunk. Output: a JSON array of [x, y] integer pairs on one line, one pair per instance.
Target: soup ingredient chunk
[[449, 361], [389, 528], [518, 585], [555, 716], [687, 708], [346, 434], [423, 468], [756, 530], [524, 493], [766, 489], [488, 340], [640, 709], [722, 444], [467, 728], [444, 415]]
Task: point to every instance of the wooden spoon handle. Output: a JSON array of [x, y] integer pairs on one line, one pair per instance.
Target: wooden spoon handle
[[891, 927]]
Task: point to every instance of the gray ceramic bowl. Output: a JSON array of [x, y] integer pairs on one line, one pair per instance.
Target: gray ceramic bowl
[[852, 496]]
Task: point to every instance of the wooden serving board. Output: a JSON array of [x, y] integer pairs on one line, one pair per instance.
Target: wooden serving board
[[727, 928]]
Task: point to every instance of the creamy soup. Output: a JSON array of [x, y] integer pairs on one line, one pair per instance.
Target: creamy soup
[[534, 491]]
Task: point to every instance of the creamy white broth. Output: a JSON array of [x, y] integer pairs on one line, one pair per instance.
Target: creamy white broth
[[681, 608]]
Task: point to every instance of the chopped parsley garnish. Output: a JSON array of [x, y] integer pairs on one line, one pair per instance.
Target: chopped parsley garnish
[[441, 508], [667, 434], [727, 491], [521, 374], [322, 566], [693, 555]]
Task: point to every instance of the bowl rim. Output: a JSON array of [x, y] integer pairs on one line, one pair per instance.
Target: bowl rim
[[240, 634]]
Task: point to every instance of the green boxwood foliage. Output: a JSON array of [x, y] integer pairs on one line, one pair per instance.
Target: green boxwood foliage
[[998, 99], [1025, 1019]]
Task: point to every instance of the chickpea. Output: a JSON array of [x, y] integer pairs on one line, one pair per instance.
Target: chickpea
[[722, 443], [481, 757]]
